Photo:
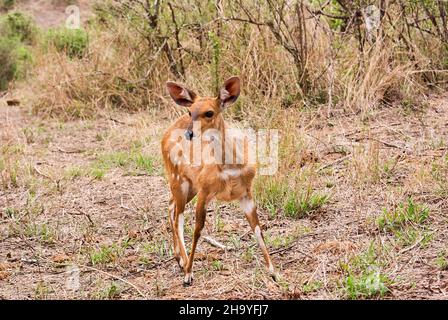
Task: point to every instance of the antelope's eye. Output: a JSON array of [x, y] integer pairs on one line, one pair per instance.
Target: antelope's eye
[[209, 114]]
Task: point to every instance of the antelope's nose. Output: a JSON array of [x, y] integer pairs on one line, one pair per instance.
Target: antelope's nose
[[189, 134]]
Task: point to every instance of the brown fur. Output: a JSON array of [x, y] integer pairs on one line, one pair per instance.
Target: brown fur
[[208, 181]]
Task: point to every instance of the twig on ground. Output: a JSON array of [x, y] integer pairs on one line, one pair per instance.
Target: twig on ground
[[117, 121], [127, 208], [42, 174], [71, 151], [115, 277], [333, 163], [413, 246], [82, 213], [391, 145], [215, 243], [155, 265]]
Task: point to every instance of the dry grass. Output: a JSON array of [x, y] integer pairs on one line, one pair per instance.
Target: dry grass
[[115, 230]]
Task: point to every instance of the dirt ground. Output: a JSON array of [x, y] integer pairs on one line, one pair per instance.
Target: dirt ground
[[51, 13], [126, 213]]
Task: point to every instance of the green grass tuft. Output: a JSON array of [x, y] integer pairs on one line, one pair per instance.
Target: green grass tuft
[[364, 278], [402, 216], [73, 42]]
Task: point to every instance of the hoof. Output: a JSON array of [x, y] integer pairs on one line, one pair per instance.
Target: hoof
[[188, 280], [274, 274]]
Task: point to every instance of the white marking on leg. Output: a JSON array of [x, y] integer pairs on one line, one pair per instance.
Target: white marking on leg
[[259, 238], [171, 211], [185, 186], [262, 245], [247, 205], [180, 229]]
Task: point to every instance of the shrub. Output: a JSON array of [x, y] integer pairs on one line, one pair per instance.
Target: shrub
[[6, 5], [16, 29], [14, 59], [277, 195], [19, 26], [73, 42], [8, 63]]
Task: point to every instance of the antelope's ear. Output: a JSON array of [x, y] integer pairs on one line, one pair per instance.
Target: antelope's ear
[[181, 95], [229, 92]]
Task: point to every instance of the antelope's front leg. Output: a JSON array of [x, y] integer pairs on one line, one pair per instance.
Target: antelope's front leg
[[250, 210], [201, 213]]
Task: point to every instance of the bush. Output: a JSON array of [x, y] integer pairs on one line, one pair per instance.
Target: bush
[[6, 5], [8, 63], [14, 59], [73, 42], [16, 25]]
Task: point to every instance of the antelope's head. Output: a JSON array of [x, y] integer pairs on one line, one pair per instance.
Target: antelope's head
[[204, 112]]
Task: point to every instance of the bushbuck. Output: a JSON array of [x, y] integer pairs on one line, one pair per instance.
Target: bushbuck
[[207, 179]]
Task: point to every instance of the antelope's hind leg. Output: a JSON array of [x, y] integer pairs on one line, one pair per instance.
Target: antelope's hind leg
[[250, 210]]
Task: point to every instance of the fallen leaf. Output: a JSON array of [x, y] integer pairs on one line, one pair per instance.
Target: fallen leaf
[[200, 256], [59, 258], [133, 234], [131, 258], [228, 228], [4, 275], [212, 256], [225, 272], [335, 247], [4, 266]]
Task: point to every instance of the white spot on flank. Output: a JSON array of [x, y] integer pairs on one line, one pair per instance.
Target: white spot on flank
[[226, 173], [247, 205], [185, 186], [172, 176]]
